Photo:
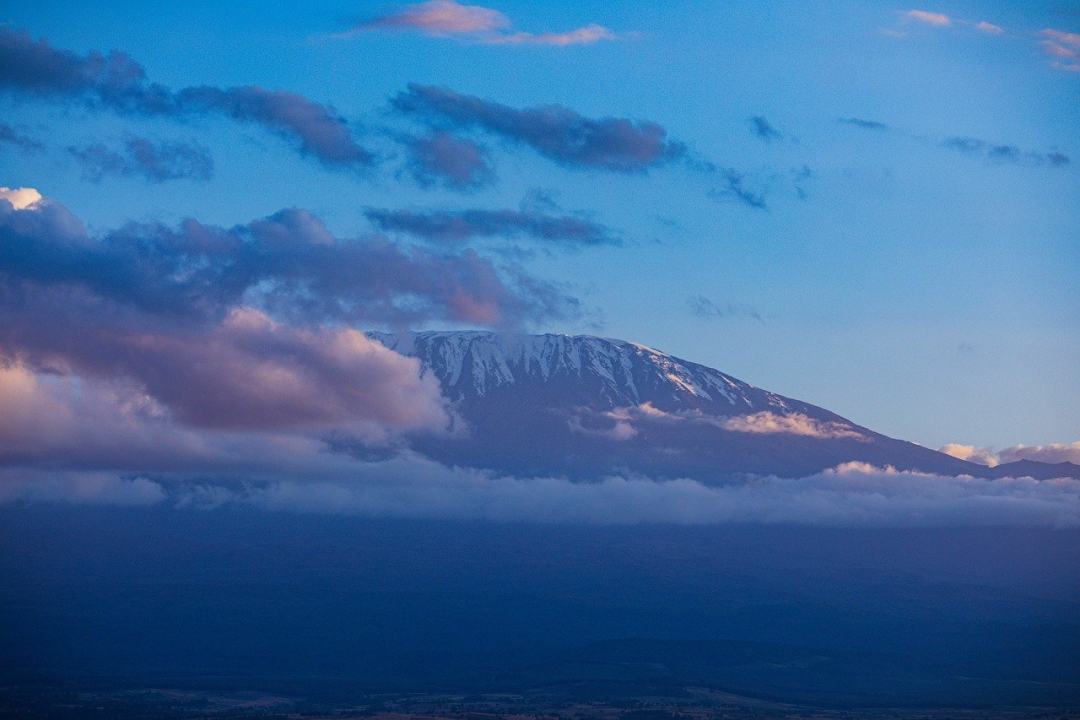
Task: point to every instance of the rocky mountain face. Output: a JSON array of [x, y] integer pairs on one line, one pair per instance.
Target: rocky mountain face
[[585, 407]]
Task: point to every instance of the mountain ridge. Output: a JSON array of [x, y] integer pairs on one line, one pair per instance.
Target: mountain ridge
[[585, 407]]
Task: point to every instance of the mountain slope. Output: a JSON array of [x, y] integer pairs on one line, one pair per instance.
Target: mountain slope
[[585, 406]]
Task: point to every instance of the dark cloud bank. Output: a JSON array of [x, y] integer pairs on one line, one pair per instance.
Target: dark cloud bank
[[116, 82]]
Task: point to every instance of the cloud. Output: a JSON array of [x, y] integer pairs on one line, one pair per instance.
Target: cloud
[[20, 198], [928, 18], [735, 188], [989, 28], [448, 160], [789, 424], [117, 82], [141, 157], [763, 129], [457, 226], [475, 24], [248, 372], [852, 494], [864, 124], [223, 330], [78, 489], [11, 136], [703, 307], [1002, 154], [1050, 453], [556, 132], [287, 264], [983, 456], [1064, 47], [586, 35]]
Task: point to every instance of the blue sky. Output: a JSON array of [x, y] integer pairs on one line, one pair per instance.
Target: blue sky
[[921, 288]]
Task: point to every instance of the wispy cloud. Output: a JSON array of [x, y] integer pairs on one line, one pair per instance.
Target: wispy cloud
[[11, 136], [863, 124], [554, 131], [736, 188], [474, 24], [764, 129], [929, 18], [1063, 47], [457, 226], [1001, 153], [989, 28], [142, 157], [703, 307]]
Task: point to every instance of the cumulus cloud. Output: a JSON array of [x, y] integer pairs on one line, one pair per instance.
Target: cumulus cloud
[[473, 23], [789, 424], [457, 226], [554, 131], [983, 456], [142, 157], [139, 338], [442, 158], [1050, 453], [20, 198], [852, 494], [929, 18], [115, 81]]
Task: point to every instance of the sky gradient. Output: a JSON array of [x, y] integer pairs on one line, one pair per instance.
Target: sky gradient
[[870, 207]]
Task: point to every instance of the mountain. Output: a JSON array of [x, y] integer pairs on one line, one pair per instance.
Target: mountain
[[585, 406], [1035, 469]]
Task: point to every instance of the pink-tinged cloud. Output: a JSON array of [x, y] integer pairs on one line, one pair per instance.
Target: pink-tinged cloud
[[929, 18], [789, 424], [971, 453], [474, 23], [439, 18], [1067, 38], [989, 28], [1050, 453], [20, 198], [1064, 47]]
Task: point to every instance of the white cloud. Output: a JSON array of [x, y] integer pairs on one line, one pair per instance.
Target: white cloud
[[989, 28], [852, 494], [929, 18], [789, 424]]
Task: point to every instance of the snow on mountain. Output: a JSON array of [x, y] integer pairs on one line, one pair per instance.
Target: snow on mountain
[[586, 406]]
